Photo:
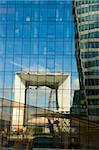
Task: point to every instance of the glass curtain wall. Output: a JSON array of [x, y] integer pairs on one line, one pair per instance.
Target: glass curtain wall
[[36, 36]]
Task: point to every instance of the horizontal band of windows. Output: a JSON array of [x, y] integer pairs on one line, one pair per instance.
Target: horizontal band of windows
[[82, 2], [90, 69], [93, 101], [88, 9], [92, 92], [90, 63], [89, 50], [89, 26], [94, 73], [89, 18], [89, 54], [90, 35], [93, 111], [89, 45], [92, 82], [91, 87]]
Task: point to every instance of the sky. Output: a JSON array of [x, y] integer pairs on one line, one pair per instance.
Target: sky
[[36, 37]]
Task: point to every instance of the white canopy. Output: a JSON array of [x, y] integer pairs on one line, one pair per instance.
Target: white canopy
[[51, 80]]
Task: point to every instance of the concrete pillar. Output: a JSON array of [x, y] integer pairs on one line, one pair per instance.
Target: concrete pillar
[[18, 112], [64, 96]]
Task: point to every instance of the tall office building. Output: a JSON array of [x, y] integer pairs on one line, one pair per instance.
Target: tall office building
[[86, 19]]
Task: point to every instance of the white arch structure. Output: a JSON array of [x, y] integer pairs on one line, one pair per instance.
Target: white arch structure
[[58, 81]]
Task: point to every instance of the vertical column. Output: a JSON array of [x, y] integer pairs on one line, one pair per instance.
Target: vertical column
[[18, 111], [64, 95]]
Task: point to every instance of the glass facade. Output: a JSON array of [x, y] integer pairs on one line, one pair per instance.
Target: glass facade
[[36, 36], [86, 23]]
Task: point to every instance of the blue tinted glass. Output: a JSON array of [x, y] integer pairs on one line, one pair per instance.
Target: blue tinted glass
[[8, 65], [68, 29], [51, 30], [2, 30], [26, 45], [59, 30], [43, 30], [18, 47], [2, 46], [42, 47], [9, 47], [43, 14], [27, 13], [51, 14], [59, 46], [51, 47], [11, 13], [67, 12], [27, 31], [3, 11], [10, 30], [19, 13], [34, 46], [35, 13], [35, 30], [18, 30]]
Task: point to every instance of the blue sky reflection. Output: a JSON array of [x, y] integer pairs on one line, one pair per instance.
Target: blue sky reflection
[[35, 35]]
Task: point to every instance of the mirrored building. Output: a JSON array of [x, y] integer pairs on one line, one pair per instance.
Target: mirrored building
[[86, 18], [36, 36]]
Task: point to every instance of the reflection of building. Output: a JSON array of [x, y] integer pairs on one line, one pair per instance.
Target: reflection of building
[[84, 133], [86, 14], [79, 104], [6, 111], [57, 81]]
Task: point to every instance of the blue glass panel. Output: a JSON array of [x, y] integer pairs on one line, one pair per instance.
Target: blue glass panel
[[19, 13], [10, 14], [27, 31], [50, 47], [10, 30], [35, 13], [43, 14], [2, 30], [2, 46], [18, 31], [34, 46], [59, 30], [59, 47], [43, 30], [35, 30], [18, 47], [27, 13], [3, 11], [42, 47], [51, 14], [51, 30], [9, 47], [26, 45]]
